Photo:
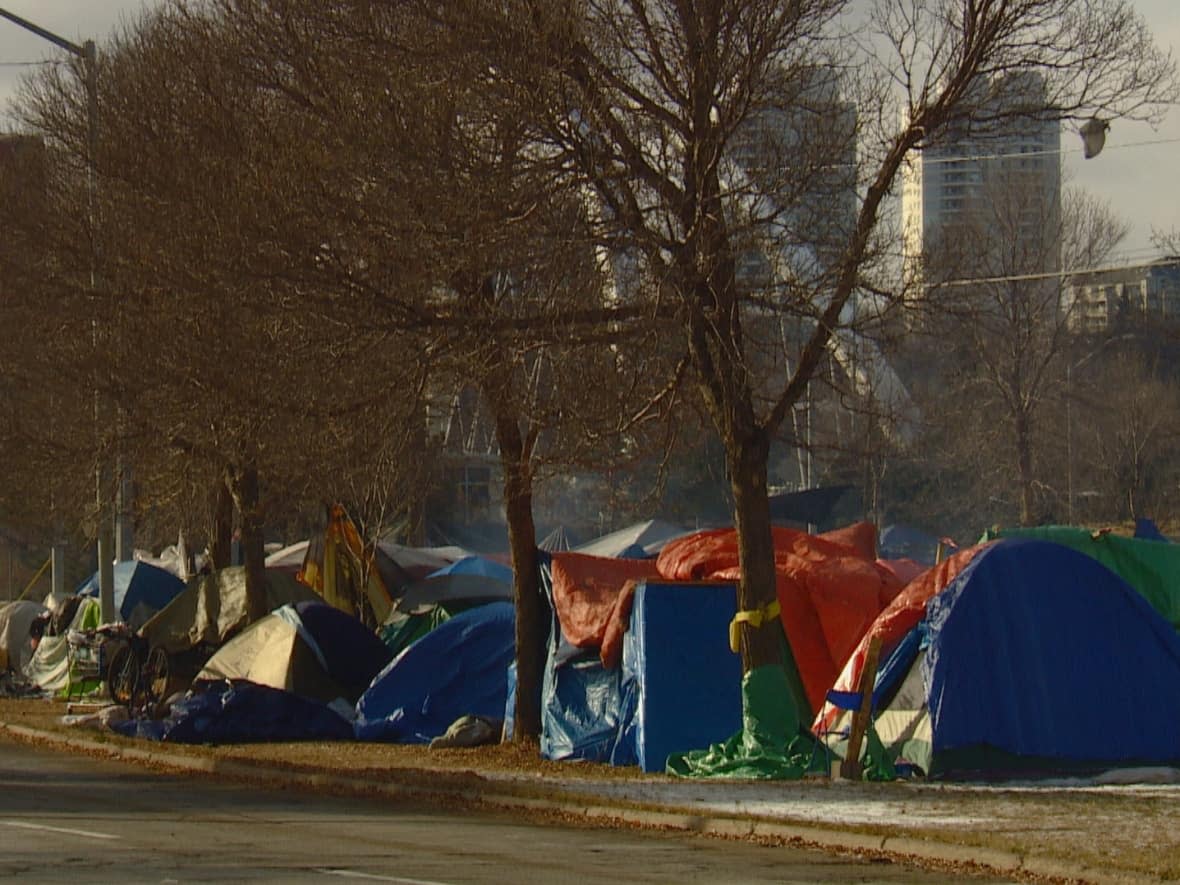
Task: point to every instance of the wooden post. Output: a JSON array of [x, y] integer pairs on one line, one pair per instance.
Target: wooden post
[[851, 768]]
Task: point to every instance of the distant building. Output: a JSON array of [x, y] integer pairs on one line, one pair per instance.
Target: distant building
[[1101, 301], [951, 189]]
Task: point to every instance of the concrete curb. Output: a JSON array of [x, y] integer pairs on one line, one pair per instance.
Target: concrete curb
[[506, 794]]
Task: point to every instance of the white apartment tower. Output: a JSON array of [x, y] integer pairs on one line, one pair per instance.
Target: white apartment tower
[[957, 180]]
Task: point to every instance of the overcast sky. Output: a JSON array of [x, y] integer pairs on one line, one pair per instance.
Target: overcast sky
[[1139, 179]]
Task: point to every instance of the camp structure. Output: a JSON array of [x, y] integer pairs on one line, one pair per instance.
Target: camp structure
[[310, 649], [630, 637], [212, 608], [639, 541], [460, 668], [470, 579], [140, 590], [1022, 658], [1150, 566], [50, 667], [559, 540], [15, 620], [288, 559], [353, 576]]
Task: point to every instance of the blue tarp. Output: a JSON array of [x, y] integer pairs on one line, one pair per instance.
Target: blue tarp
[[1147, 530], [905, 542], [580, 699], [241, 712], [459, 668], [1039, 651], [681, 683], [137, 585], [478, 566]]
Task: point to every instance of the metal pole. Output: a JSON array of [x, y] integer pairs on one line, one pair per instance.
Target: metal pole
[[88, 52]]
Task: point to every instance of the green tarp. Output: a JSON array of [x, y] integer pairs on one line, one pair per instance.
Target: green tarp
[[1151, 567], [771, 744]]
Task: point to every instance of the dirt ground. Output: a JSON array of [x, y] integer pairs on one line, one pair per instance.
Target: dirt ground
[[1112, 830]]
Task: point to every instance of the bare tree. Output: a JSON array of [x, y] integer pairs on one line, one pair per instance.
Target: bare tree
[[643, 103], [999, 310], [224, 351], [1125, 426]]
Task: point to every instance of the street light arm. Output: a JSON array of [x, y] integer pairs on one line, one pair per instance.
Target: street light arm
[[68, 45]]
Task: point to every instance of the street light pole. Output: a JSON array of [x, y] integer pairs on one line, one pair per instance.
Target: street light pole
[[88, 52]]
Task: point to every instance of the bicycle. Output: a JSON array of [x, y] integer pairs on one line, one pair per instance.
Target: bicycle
[[138, 675]]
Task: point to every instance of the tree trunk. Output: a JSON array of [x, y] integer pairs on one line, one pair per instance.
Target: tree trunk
[[221, 544], [531, 608], [244, 485], [747, 461]]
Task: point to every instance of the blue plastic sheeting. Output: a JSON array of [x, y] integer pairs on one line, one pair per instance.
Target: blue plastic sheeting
[[1147, 530], [241, 713], [1041, 651], [580, 708], [351, 652], [478, 566], [681, 683], [137, 585], [580, 699], [459, 668], [905, 542]]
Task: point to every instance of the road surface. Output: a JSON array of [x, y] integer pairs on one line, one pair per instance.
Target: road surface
[[69, 819]]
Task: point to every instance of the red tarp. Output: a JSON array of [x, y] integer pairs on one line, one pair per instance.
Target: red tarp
[[897, 619]]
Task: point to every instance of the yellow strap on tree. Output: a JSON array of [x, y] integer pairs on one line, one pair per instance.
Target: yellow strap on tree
[[755, 618]]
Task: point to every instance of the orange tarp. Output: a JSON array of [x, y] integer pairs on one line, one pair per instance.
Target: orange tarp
[[829, 590], [897, 619], [585, 591]]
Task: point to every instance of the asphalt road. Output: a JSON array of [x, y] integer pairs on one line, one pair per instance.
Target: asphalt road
[[66, 819]]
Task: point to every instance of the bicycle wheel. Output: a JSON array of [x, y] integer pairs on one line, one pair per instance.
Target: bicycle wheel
[[157, 672], [123, 675]]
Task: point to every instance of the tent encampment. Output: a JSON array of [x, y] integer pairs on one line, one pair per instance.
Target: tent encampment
[[470, 579], [141, 590], [639, 541], [1033, 659], [213, 608], [310, 649], [459, 668]]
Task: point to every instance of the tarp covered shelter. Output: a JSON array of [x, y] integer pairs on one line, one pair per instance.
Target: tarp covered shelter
[[1151, 567], [15, 620], [213, 608], [459, 668], [472, 578], [680, 683], [906, 542], [1033, 659], [643, 539], [140, 590], [49, 666], [241, 712], [288, 559], [309, 649], [829, 589]]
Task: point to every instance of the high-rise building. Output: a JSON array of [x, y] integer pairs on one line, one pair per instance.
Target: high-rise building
[[999, 177]]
